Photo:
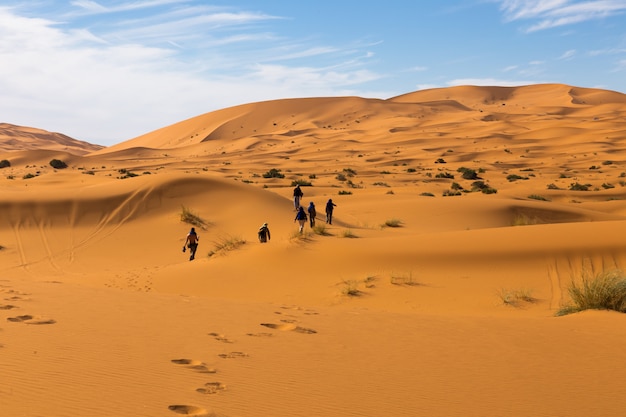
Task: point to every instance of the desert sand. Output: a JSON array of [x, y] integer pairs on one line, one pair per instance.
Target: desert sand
[[408, 304]]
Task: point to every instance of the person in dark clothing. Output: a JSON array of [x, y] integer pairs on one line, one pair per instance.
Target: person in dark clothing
[[330, 206], [301, 218], [264, 233], [297, 195], [192, 243], [312, 213]]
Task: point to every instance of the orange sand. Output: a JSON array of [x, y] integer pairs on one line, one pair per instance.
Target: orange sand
[[101, 314]]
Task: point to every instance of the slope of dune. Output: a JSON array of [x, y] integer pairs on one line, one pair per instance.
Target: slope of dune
[[462, 216], [14, 138]]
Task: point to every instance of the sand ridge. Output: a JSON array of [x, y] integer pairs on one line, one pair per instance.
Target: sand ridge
[[448, 203]]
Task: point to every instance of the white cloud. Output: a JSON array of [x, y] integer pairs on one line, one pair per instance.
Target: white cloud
[[555, 13], [568, 54]]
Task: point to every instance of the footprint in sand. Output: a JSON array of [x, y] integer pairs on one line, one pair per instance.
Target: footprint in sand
[[260, 334], [221, 338], [211, 388], [189, 410], [233, 355], [195, 365], [289, 327], [28, 319]]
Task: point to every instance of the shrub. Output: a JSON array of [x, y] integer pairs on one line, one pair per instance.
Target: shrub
[[605, 291], [607, 185], [444, 175], [351, 288], [393, 223], [320, 229], [341, 177], [450, 193], [440, 161], [426, 194], [226, 244], [28, 176], [273, 173], [58, 164], [467, 173], [515, 177], [515, 298], [187, 216], [303, 183], [348, 234], [5, 163], [403, 280], [411, 170], [344, 192], [579, 187], [538, 197], [349, 172], [552, 187]]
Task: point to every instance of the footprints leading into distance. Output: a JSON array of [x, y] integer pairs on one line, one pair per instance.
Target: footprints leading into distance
[[289, 327], [195, 365], [189, 410], [28, 319]]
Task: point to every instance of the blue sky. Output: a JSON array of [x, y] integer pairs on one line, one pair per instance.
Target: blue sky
[[107, 71]]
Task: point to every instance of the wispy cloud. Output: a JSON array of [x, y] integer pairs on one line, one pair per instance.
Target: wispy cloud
[[555, 13], [568, 54]]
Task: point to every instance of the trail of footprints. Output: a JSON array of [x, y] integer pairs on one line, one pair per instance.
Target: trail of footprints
[[289, 323], [10, 301]]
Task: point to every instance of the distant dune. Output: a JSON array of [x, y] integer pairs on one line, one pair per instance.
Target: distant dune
[[462, 216]]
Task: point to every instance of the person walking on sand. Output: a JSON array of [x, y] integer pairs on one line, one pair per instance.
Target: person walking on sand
[[264, 233], [192, 243], [301, 218], [330, 206], [312, 213], [297, 195]]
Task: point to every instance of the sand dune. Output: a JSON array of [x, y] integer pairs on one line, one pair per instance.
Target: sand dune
[[448, 201]]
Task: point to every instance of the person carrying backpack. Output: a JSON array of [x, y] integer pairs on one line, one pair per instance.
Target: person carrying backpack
[[264, 233], [297, 195], [312, 213], [301, 218]]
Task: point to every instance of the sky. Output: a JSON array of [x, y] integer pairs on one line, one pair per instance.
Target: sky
[[108, 71]]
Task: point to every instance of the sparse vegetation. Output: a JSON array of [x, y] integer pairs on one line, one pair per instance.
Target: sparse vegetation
[[426, 194], [188, 216], [274, 173], [401, 279], [348, 234], [576, 186], [28, 176], [320, 229], [393, 223], [303, 183], [515, 177], [226, 244], [5, 163], [538, 197], [604, 291], [58, 164], [349, 172], [350, 288], [516, 298], [444, 175], [344, 192], [467, 173]]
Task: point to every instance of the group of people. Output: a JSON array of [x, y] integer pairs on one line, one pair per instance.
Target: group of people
[[301, 216], [191, 242]]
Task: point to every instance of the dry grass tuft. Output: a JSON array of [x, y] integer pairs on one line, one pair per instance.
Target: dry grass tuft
[[604, 291], [188, 216], [226, 244], [516, 298]]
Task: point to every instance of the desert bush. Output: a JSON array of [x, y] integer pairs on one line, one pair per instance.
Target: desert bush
[[467, 173], [273, 173], [58, 164], [483, 187], [188, 216], [451, 193], [440, 161], [350, 288], [5, 163], [515, 177], [28, 176], [604, 291], [392, 223], [607, 186], [552, 187], [385, 172], [516, 298], [226, 244], [401, 279], [444, 175], [381, 184], [348, 234], [410, 170], [426, 194], [538, 197], [303, 183], [341, 177], [344, 192], [320, 229], [349, 172], [576, 186]]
